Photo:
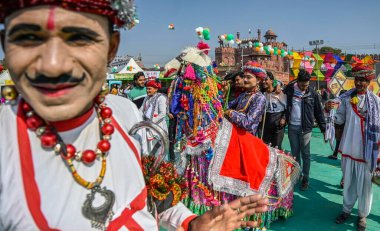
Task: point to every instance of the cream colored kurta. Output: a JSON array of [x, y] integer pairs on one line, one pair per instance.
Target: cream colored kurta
[[356, 172], [61, 197]]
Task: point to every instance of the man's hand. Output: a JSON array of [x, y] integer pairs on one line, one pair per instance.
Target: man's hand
[[282, 122], [230, 216], [225, 86], [171, 116], [227, 113]]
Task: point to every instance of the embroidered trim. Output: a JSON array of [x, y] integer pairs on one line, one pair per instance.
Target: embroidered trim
[[230, 185], [352, 158], [286, 178], [199, 148]]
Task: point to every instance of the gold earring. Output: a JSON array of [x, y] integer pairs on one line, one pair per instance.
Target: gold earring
[[9, 93]]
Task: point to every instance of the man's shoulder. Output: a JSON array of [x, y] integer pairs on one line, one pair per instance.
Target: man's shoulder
[[260, 95], [122, 107], [8, 113], [313, 92], [289, 88]]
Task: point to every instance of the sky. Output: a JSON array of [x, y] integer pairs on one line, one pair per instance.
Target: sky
[[350, 25]]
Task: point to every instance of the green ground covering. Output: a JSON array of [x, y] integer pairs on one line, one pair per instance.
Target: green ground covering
[[316, 208]]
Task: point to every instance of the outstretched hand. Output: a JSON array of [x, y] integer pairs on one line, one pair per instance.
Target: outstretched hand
[[230, 216]]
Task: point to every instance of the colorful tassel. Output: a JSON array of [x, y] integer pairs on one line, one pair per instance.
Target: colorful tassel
[[189, 73]]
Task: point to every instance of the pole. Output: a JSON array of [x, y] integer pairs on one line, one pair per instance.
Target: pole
[[242, 64], [317, 72], [263, 124]]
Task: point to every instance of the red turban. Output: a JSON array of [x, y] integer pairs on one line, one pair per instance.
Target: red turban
[[153, 83], [363, 71], [121, 13]]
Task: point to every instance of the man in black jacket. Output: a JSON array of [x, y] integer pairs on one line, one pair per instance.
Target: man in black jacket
[[304, 106]]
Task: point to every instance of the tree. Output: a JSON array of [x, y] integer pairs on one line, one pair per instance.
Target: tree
[[325, 50]]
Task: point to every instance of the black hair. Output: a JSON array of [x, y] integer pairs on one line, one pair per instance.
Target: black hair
[[111, 28], [239, 73], [137, 75], [228, 76], [270, 75], [303, 76], [2, 39]]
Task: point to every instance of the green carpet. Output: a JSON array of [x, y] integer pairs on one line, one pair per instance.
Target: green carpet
[[316, 208]]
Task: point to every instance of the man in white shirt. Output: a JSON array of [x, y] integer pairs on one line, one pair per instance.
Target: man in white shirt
[[303, 106], [275, 119], [57, 158], [359, 113]]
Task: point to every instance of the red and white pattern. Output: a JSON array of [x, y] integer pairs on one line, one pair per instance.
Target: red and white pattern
[[38, 192]]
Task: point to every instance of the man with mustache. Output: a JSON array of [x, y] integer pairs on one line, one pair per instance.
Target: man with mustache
[[247, 109], [358, 113], [59, 167]]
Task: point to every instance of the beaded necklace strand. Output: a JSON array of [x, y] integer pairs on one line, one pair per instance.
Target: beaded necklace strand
[[50, 139]]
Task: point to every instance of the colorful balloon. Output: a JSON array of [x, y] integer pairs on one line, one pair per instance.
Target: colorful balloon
[[206, 33], [230, 37]]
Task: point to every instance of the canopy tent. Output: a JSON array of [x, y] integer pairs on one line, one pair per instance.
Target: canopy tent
[[128, 70], [131, 68], [5, 78]]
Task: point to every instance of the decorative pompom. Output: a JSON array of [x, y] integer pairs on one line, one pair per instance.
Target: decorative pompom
[[203, 47], [189, 73]]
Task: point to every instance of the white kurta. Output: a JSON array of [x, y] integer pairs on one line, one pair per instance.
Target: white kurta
[[155, 108], [356, 172], [61, 197]]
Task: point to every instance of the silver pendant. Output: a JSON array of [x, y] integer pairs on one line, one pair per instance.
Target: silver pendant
[[102, 214]]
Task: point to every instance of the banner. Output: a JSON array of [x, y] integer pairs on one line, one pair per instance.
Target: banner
[[110, 76], [124, 76], [152, 74]]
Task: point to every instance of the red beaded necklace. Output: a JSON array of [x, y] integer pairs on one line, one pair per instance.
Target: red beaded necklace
[[50, 139]]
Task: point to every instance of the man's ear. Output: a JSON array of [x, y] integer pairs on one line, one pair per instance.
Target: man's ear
[[2, 39], [114, 45]]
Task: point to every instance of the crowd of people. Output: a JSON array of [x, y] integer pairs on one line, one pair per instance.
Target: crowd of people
[[264, 106], [68, 162]]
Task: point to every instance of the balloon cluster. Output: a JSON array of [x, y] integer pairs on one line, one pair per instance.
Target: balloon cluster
[[171, 26], [203, 33], [238, 41], [156, 67], [227, 38], [269, 50], [129, 68]]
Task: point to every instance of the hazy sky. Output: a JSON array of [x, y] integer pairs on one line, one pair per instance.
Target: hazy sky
[[351, 25]]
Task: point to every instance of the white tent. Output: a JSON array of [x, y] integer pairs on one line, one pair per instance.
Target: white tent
[[127, 69], [4, 77]]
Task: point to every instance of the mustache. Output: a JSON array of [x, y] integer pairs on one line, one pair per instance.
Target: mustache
[[64, 78]]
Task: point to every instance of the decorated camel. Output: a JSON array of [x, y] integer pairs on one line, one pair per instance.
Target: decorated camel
[[218, 159]]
